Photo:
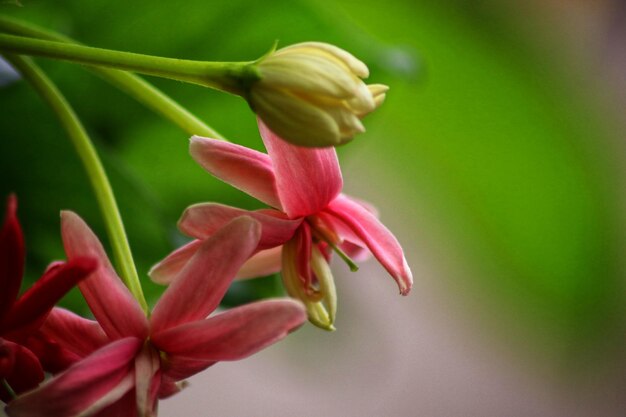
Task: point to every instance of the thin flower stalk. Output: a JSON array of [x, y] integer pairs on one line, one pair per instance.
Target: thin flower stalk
[[93, 167]]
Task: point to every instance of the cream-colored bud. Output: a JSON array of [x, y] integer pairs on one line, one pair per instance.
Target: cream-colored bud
[[312, 94]]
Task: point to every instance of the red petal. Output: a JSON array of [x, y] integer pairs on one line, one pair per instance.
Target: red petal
[[380, 241], [178, 368], [51, 355], [307, 179], [112, 304], [200, 286], [86, 387], [202, 220], [30, 310], [166, 270], [11, 257], [73, 333], [25, 373], [235, 334], [303, 255], [246, 169]]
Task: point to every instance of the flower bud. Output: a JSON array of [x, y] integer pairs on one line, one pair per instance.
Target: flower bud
[[312, 94]]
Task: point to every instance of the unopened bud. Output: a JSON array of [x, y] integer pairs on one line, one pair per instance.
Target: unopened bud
[[312, 94]]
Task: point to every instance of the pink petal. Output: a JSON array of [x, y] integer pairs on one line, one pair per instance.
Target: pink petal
[[178, 368], [85, 388], [377, 237], [262, 263], [11, 257], [111, 303], [265, 262], [307, 179], [246, 169], [202, 220], [200, 286], [23, 372], [356, 252], [166, 270], [73, 333], [235, 334], [38, 300], [351, 244]]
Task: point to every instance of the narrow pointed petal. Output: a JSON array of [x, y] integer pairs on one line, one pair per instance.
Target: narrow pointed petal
[[234, 334], [73, 333], [86, 387], [307, 179], [34, 305], [111, 303], [11, 257], [380, 241], [179, 368], [265, 262], [262, 263], [200, 286], [24, 372], [246, 169], [202, 220], [166, 270]]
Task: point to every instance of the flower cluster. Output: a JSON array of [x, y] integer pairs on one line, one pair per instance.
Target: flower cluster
[[129, 356]]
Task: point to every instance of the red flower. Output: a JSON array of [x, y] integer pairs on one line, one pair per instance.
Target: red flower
[[20, 318], [129, 360]]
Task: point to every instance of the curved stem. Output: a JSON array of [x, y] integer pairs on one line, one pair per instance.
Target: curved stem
[[231, 77], [7, 387], [129, 83], [93, 166]]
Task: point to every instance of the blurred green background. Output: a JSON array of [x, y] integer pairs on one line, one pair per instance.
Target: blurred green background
[[504, 163]]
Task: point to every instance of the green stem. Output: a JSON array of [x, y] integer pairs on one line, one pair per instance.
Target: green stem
[[95, 171], [231, 77], [129, 83], [7, 387]]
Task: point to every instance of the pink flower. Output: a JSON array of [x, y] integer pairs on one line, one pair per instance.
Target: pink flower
[[310, 219], [20, 318], [129, 360]]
